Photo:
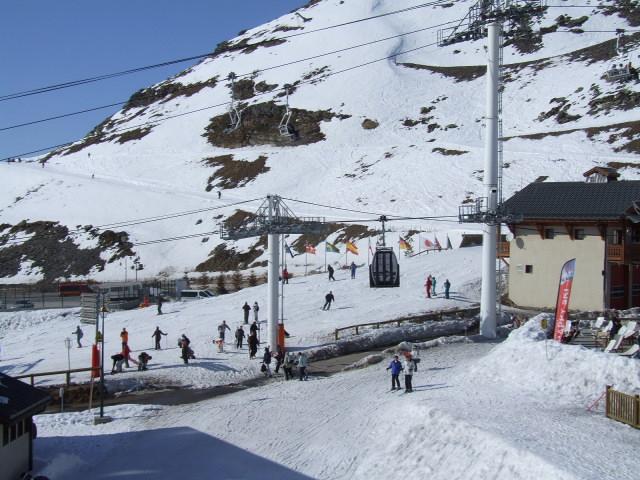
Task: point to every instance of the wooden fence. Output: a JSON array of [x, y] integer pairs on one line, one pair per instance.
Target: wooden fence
[[622, 407], [66, 373], [434, 316]]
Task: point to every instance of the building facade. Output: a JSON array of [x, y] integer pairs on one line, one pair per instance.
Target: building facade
[[597, 222]]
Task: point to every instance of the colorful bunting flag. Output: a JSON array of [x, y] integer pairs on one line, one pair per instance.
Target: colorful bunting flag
[[428, 243], [437, 243], [332, 248], [404, 245], [308, 248], [449, 247], [352, 248]]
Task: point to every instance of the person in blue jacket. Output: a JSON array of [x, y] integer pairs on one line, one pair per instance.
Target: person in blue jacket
[[396, 367]]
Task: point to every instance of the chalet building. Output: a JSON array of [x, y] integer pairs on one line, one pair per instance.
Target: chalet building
[[597, 222], [19, 402]]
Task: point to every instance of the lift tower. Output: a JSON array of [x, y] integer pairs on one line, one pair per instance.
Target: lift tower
[[273, 219], [486, 18]]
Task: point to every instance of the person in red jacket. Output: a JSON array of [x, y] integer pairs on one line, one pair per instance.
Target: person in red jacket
[[427, 286]]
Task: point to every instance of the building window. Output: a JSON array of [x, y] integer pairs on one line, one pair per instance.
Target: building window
[[14, 431], [549, 233], [616, 237], [579, 234], [528, 269]]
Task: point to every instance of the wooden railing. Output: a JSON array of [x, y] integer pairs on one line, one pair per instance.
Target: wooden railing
[[433, 316], [504, 249], [66, 373], [622, 407], [615, 253]]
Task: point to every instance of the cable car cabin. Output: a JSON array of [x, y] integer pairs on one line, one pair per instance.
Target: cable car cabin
[[621, 72], [384, 270]]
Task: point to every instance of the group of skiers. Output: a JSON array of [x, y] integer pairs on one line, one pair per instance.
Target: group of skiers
[[430, 286], [123, 357], [247, 309], [352, 268], [288, 361]]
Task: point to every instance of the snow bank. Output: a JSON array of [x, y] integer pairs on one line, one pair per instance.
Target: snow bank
[[23, 319], [528, 361]]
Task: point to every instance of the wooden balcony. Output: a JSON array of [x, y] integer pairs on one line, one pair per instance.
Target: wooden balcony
[[623, 253], [503, 249]]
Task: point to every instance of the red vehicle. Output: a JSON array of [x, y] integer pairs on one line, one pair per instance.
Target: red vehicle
[[73, 289]]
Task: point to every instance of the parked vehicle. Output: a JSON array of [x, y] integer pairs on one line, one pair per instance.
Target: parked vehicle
[[21, 304], [195, 294]]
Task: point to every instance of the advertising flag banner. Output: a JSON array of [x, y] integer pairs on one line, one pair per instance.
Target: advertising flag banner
[[437, 243], [352, 248], [428, 243], [330, 247], [564, 293], [308, 248], [449, 247]]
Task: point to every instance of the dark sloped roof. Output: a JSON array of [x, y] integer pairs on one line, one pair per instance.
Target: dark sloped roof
[[574, 200], [19, 400]]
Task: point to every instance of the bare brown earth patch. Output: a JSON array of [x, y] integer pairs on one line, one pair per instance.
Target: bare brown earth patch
[[447, 152], [234, 173]]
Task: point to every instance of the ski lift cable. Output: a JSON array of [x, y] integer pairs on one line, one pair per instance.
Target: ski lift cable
[[107, 76], [139, 221], [272, 67]]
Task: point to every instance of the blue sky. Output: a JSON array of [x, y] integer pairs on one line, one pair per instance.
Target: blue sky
[[44, 42]]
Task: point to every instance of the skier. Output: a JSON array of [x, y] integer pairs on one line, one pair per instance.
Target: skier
[[396, 367], [266, 361], [447, 286], [246, 309], [289, 362], [256, 308], [427, 286], [239, 337], [219, 194], [433, 286], [328, 298], [353, 267], [187, 352], [252, 343], [159, 304], [143, 359], [124, 336], [126, 353], [330, 270], [221, 329], [253, 329], [118, 359], [279, 356], [409, 368], [285, 276], [79, 334], [157, 335], [303, 362]]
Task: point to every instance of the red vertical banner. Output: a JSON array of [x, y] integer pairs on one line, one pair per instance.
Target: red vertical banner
[[564, 293]]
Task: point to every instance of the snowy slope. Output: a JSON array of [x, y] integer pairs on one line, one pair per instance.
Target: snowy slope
[[471, 416], [412, 164]]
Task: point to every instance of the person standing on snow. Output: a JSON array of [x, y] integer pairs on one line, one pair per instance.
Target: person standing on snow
[[353, 267], [303, 362], [159, 304], [409, 368], [126, 353], [289, 362], [285, 276], [246, 309], [124, 336], [256, 309], [252, 343], [222, 328], [447, 286], [330, 270], [157, 336], [239, 337], [396, 367], [433, 286], [266, 361], [328, 298], [279, 356], [79, 334], [427, 286]]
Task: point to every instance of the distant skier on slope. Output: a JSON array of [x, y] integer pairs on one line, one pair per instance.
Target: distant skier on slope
[[266, 361], [252, 343], [328, 298], [302, 362], [246, 309], [433, 286], [427, 286], [222, 328], [353, 268], [157, 336], [256, 309], [409, 368], [330, 271], [79, 334], [239, 337], [447, 286]]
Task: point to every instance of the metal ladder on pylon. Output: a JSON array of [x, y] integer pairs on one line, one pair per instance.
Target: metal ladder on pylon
[[499, 282]]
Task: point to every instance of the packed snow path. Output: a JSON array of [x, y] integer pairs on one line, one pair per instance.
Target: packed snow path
[[459, 423]]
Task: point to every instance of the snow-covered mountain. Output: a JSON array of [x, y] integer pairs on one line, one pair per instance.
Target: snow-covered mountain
[[375, 130]]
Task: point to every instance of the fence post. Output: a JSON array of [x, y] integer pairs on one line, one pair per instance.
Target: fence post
[[336, 334], [606, 401], [637, 412], [356, 330], [68, 375], [32, 380]]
